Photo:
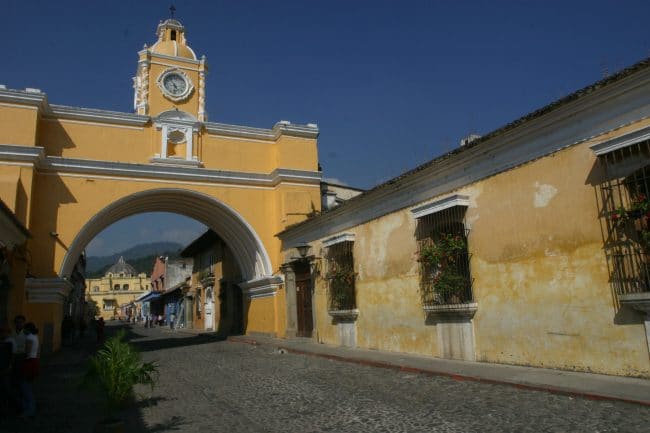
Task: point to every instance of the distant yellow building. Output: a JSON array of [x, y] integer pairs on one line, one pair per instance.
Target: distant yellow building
[[121, 284]]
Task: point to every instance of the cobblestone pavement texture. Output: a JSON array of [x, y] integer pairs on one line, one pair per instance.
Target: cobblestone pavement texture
[[220, 386]]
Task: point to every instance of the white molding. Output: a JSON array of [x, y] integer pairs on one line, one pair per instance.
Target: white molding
[[16, 152], [344, 315], [451, 311], [621, 142], [101, 116], [176, 161], [440, 205], [189, 85], [22, 107], [175, 58], [91, 123], [252, 257], [598, 112], [280, 129], [171, 65], [262, 287], [23, 97], [177, 172], [47, 290], [344, 237]]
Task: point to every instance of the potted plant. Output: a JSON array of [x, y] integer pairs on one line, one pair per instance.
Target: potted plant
[[341, 288], [440, 259], [113, 372]]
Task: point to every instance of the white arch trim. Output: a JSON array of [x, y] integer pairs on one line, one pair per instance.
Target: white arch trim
[[246, 245]]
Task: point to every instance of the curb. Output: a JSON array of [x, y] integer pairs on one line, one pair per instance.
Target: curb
[[454, 376]]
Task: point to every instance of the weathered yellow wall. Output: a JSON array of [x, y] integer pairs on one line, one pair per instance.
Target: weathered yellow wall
[[540, 275], [235, 154], [281, 312], [91, 140], [260, 315], [298, 153], [18, 124]]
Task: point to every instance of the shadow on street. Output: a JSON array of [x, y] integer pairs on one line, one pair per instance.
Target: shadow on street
[[63, 406]]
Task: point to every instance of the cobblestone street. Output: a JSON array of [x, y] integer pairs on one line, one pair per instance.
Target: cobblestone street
[[210, 386]]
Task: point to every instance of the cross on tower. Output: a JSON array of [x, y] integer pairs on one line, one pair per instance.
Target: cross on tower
[[172, 9]]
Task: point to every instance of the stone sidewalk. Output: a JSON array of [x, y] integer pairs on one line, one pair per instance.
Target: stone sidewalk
[[588, 385]]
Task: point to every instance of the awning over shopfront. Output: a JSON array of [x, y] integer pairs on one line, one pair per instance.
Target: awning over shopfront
[[149, 297]]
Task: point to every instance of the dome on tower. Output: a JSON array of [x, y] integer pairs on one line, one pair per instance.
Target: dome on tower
[[171, 40], [122, 268]]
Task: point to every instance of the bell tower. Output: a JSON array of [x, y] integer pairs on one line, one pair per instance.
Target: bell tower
[[169, 75]]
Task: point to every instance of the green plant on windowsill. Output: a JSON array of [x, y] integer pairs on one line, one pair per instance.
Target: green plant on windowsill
[[638, 208], [341, 286], [444, 250], [441, 259]]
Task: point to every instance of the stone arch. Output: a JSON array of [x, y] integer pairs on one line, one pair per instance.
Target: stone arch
[[241, 238]]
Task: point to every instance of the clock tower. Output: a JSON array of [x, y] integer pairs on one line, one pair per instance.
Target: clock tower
[[169, 76]]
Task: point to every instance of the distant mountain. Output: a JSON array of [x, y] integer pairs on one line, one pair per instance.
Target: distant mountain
[[141, 257]]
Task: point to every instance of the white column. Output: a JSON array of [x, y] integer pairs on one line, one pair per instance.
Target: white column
[[188, 146], [163, 147]]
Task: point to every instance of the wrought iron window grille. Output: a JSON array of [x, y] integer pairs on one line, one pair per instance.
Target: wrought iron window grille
[[341, 277], [445, 277], [624, 210]]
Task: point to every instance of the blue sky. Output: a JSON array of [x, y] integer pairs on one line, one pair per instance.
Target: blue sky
[[391, 84]]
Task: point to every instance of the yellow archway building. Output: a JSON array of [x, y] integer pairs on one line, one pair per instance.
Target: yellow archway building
[[69, 172]]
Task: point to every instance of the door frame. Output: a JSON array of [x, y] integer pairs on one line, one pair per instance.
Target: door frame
[[290, 270]]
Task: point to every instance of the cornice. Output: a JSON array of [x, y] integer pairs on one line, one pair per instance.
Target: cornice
[[94, 115], [280, 128], [621, 142], [24, 97], [47, 290], [167, 57], [344, 237], [440, 205], [155, 171], [261, 288], [601, 111], [14, 152]]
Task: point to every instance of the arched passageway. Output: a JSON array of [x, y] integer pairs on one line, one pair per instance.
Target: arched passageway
[[240, 237]]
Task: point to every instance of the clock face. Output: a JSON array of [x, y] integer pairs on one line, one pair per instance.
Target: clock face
[[175, 84]]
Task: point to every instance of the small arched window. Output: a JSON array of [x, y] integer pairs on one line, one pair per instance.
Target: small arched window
[[125, 287], [173, 35], [116, 287], [95, 288]]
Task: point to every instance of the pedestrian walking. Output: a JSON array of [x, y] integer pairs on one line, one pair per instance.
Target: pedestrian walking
[[172, 317], [30, 371]]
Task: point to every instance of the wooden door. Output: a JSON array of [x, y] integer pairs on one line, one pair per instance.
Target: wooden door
[[303, 304]]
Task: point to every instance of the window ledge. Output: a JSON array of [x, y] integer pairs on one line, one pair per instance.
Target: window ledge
[[452, 311], [176, 161], [638, 301], [344, 315]]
